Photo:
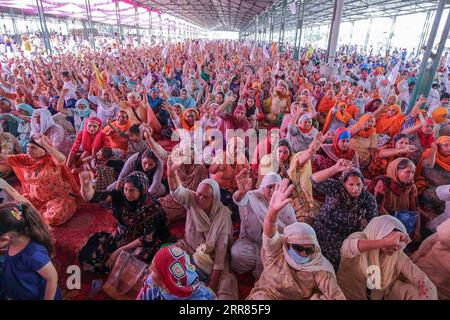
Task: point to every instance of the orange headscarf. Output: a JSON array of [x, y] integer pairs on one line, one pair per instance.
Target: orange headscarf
[[365, 133], [343, 117], [184, 124], [326, 104], [441, 160], [440, 114], [393, 124]]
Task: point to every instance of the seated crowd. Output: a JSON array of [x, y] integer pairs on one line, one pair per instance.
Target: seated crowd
[[309, 185]]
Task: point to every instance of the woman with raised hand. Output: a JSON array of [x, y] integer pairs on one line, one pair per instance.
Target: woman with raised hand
[[208, 231], [294, 267]]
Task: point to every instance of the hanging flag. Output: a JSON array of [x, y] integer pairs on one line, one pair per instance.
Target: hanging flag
[[293, 7], [310, 51], [98, 77]]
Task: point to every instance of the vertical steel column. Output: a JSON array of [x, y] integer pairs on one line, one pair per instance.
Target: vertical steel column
[[282, 27], [296, 28], [16, 33], [301, 26], [136, 14], [366, 42], [150, 24], [419, 88], [90, 25], [426, 27], [43, 24], [118, 22], [351, 30], [334, 31], [160, 26], [256, 29], [272, 27], [391, 34]]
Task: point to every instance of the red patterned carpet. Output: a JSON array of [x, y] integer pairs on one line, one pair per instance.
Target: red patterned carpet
[[91, 218], [71, 237]]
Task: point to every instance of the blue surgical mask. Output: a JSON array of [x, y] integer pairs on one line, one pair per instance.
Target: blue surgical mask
[[298, 258]]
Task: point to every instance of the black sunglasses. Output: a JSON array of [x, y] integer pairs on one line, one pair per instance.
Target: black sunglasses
[[299, 248]]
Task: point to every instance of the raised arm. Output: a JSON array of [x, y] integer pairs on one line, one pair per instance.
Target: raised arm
[[415, 110], [160, 152], [172, 175], [245, 184], [325, 174], [87, 190], [57, 156], [280, 198], [60, 104]]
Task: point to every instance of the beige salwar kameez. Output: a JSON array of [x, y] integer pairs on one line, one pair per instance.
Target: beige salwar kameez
[[373, 275], [279, 281], [214, 232]]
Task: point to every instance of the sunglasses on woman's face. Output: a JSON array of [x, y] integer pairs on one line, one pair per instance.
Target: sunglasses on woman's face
[[299, 248]]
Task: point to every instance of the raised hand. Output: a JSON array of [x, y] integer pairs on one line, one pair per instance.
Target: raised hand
[[43, 140], [280, 196], [174, 162], [422, 99], [343, 165], [244, 180]]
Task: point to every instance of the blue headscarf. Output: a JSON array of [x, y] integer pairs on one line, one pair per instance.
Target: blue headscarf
[[25, 107], [83, 114]]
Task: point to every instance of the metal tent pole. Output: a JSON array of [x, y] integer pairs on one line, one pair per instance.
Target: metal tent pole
[[136, 14], [334, 32], [43, 24], [423, 73]]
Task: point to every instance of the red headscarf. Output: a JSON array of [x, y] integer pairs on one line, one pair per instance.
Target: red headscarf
[[176, 271], [90, 143], [350, 153], [426, 140]]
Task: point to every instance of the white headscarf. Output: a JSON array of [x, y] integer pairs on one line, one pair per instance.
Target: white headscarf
[[218, 220], [303, 234], [46, 121], [377, 229]]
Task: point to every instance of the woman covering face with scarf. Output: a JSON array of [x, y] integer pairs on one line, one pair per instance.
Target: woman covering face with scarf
[[253, 205], [294, 267], [380, 248]]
